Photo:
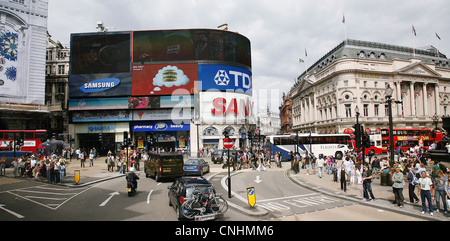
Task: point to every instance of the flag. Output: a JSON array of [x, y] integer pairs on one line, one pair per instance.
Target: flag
[[306, 53], [343, 19], [414, 30], [438, 36]]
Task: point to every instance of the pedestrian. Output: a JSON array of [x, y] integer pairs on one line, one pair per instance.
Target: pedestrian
[[62, 170], [398, 185], [441, 190], [320, 165], [82, 157], [348, 164], [367, 184], [15, 165], [425, 192], [412, 183], [91, 158], [335, 171], [57, 169], [344, 178], [3, 166]]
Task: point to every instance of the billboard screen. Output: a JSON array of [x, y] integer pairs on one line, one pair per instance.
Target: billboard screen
[[225, 78], [164, 79], [191, 44], [100, 85], [99, 53]]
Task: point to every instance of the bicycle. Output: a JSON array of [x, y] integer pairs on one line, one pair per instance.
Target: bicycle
[[204, 206]]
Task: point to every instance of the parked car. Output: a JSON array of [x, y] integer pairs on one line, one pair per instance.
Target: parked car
[[185, 188], [196, 167], [164, 165]]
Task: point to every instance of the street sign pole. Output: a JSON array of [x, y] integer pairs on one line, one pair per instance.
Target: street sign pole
[[228, 144]]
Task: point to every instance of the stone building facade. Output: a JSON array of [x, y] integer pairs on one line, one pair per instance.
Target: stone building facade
[[357, 73]]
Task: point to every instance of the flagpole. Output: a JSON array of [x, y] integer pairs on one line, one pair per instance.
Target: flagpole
[[345, 27], [413, 34]]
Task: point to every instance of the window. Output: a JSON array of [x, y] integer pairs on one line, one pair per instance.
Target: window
[[376, 109], [366, 110], [348, 110], [61, 69]]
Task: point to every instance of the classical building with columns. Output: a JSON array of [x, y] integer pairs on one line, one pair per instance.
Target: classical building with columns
[[357, 73]]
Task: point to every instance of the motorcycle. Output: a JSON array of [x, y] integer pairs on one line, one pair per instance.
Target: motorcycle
[[131, 178], [131, 190]]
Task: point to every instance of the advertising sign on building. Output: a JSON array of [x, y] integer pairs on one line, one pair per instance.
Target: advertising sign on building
[[160, 126], [164, 79], [226, 107], [225, 78]]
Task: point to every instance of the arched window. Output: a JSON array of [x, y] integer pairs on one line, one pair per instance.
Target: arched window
[[211, 131]]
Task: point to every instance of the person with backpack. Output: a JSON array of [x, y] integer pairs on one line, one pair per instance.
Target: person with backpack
[[413, 182]]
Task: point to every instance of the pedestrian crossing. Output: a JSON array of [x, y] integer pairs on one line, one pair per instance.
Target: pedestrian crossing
[[299, 203]]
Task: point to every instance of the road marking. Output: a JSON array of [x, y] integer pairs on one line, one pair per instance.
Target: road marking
[[148, 197], [258, 180], [10, 212], [109, 198]]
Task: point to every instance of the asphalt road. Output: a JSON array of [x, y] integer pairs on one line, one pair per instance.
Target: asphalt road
[[108, 201]]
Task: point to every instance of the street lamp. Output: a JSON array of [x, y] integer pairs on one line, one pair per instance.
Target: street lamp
[[389, 92]]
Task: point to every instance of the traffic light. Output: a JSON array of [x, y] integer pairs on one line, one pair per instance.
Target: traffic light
[[366, 141], [20, 141], [125, 137]]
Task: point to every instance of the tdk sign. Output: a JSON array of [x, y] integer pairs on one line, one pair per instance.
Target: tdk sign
[[225, 78], [100, 85]]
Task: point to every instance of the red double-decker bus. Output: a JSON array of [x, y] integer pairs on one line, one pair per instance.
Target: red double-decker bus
[[32, 139], [407, 138]]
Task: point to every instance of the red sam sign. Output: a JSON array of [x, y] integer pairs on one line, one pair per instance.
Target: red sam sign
[[234, 106], [164, 79]]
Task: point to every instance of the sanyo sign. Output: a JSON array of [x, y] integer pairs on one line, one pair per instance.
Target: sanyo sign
[[225, 78]]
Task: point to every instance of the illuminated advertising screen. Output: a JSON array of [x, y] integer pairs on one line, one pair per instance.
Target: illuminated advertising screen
[[190, 44], [225, 78], [100, 85], [164, 79], [100, 64], [98, 53]]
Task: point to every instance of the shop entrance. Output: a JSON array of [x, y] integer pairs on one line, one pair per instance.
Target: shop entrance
[[88, 141]]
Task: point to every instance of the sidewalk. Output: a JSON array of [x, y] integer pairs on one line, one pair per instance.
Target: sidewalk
[[88, 175], [384, 195]]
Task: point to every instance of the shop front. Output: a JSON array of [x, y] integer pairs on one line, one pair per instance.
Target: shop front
[[103, 137], [162, 136]]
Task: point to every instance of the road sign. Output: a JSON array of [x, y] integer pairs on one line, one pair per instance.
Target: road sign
[[77, 176], [228, 143], [251, 196]]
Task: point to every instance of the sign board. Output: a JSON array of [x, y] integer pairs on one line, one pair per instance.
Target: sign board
[[251, 196], [77, 176], [228, 143]]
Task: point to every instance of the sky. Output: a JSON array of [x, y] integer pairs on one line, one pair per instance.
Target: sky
[[281, 31]]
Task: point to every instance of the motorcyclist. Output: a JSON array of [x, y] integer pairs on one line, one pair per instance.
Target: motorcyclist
[[132, 177]]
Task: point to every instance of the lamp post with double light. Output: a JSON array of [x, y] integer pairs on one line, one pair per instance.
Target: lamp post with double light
[[389, 93]]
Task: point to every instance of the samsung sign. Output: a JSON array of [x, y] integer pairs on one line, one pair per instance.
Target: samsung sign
[[225, 78], [161, 126], [100, 85]]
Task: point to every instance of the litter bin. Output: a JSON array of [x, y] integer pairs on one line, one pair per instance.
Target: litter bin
[[385, 179]]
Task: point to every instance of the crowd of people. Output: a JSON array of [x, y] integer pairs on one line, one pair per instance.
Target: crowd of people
[[426, 180], [51, 168]]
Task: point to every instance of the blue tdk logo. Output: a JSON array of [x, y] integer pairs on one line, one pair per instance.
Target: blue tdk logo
[[100, 85]]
